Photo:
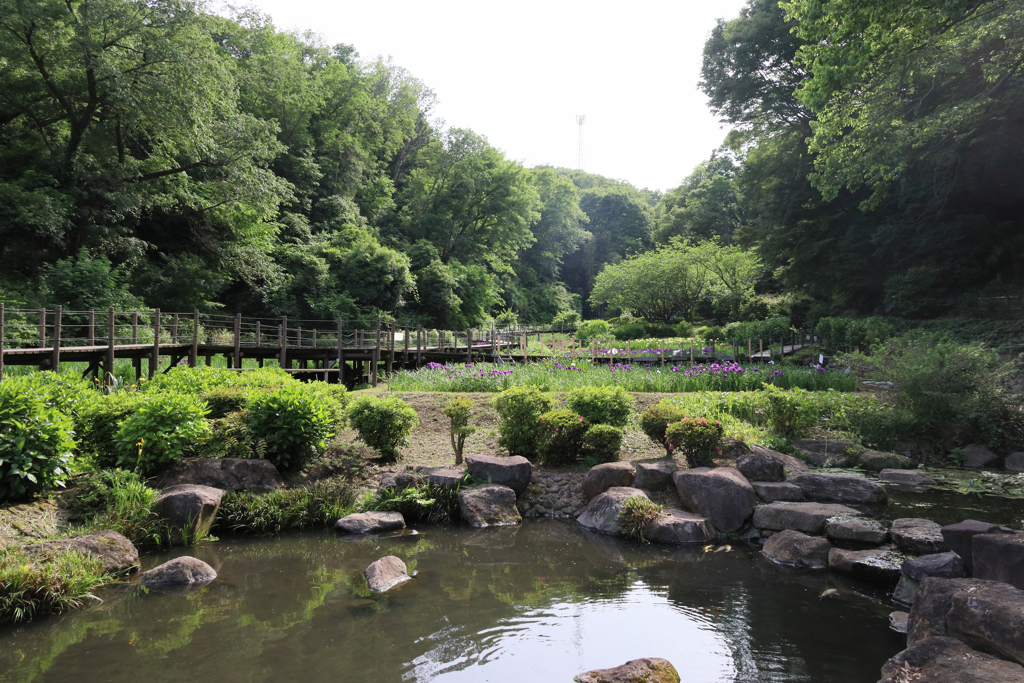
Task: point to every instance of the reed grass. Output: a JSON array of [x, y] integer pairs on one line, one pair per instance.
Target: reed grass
[[31, 588]]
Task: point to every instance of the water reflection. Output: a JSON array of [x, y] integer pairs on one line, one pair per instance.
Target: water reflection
[[541, 602]]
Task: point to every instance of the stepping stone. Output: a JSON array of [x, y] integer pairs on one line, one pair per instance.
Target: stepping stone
[[989, 619], [880, 565], [370, 522], [809, 518], [840, 488], [917, 536], [775, 491], [960, 538], [677, 527], [855, 531], [932, 603], [917, 569], [1000, 557], [794, 549], [385, 574], [947, 660], [898, 621]]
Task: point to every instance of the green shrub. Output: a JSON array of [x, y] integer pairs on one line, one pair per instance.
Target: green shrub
[[287, 426], [519, 409], [630, 331], [383, 424], [636, 516], [561, 436], [790, 414], [161, 430], [423, 503], [696, 438], [458, 411], [602, 405], [683, 329], [97, 425], [36, 443], [30, 587], [332, 397], [656, 418], [230, 437], [601, 443], [566, 319], [68, 393], [593, 329], [318, 505], [224, 400]]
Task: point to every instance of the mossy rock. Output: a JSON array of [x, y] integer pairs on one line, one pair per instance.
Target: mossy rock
[[876, 461]]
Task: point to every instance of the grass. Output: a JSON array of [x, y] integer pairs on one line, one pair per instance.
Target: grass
[[636, 515], [556, 375], [424, 503], [318, 505], [29, 588]]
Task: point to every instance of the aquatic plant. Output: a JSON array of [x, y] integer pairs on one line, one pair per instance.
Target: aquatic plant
[[636, 516]]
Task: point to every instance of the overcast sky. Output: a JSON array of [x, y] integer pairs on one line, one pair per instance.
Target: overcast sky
[[519, 73]]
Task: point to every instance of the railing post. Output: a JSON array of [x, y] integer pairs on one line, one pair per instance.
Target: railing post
[[92, 327], [155, 360], [193, 352], [341, 352], [174, 329], [405, 340], [238, 340], [469, 345], [42, 328], [376, 357], [55, 356], [259, 336], [419, 348], [282, 340], [1, 341], [391, 350], [110, 347], [135, 327]]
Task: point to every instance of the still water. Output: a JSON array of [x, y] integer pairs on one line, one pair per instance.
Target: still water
[[536, 603]]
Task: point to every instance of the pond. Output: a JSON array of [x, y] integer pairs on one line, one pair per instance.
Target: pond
[[540, 602]]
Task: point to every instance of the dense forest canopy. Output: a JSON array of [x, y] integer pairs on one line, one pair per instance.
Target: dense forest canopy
[[153, 153]]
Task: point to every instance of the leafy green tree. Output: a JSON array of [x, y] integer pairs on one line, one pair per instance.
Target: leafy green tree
[[709, 204]]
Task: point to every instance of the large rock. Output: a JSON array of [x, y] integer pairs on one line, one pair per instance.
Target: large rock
[[401, 481], [790, 465], [732, 449], [840, 488], [677, 527], [513, 471], [114, 550], [809, 518], [876, 461], [370, 522], [947, 660], [650, 670], [489, 505], [977, 455], [855, 532], [917, 536], [990, 618], [917, 569], [761, 466], [179, 571], [447, 477], [1000, 557], [932, 603], [722, 494], [960, 538], [794, 549], [229, 474], [879, 565], [602, 477], [775, 491], [1014, 462], [189, 511], [385, 574], [602, 513], [906, 478], [654, 476]]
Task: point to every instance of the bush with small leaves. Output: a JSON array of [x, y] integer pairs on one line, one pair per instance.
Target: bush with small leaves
[[696, 438], [520, 409], [36, 444], [224, 400], [792, 413], [561, 436], [162, 429], [287, 426], [458, 411], [97, 425], [602, 405], [636, 516], [383, 424], [656, 418], [601, 443]]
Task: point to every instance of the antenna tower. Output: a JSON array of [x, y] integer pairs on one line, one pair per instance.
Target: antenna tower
[[579, 159]]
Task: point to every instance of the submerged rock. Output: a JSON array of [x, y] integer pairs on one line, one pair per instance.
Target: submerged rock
[[905, 478], [513, 471], [917, 536], [114, 550], [649, 670], [489, 505], [370, 522], [947, 660], [809, 518], [179, 571], [385, 574], [602, 513], [602, 477], [794, 549], [722, 494], [677, 527]]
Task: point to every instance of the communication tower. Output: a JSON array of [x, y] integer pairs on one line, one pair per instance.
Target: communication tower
[[579, 159]]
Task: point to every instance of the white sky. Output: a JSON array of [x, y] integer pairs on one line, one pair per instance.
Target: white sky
[[519, 73]]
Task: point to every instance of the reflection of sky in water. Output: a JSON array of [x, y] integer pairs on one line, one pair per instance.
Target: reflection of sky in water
[[560, 641]]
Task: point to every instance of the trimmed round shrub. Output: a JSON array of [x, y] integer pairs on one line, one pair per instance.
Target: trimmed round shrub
[[602, 405], [593, 329], [162, 429], [696, 438], [561, 436], [97, 425], [656, 418], [520, 409], [602, 443], [35, 444], [630, 331], [383, 424], [287, 426]]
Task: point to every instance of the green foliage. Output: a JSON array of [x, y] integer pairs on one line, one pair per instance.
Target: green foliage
[[602, 405], [224, 400], [383, 424], [561, 436], [316, 506], [655, 419], [160, 430], [790, 414], [696, 438], [519, 409], [98, 491], [566, 319], [231, 437], [770, 330], [424, 503], [601, 443], [36, 443], [288, 426], [98, 424], [129, 513], [851, 334], [593, 330], [636, 516], [30, 587], [458, 411]]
